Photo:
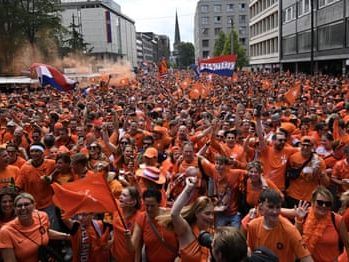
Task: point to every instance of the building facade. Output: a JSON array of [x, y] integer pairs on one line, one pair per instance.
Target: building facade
[[330, 37], [214, 16], [109, 33], [264, 34], [152, 47]]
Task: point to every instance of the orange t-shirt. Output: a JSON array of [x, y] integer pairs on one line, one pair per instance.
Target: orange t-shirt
[[284, 240], [25, 250], [341, 171], [274, 164], [155, 250], [9, 172], [302, 187], [237, 152], [119, 248], [64, 178], [252, 194], [19, 162], [30, 181], [193, 252], [231, 179]]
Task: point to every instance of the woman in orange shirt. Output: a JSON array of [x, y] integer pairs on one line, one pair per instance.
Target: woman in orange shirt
[[254, 183], [20, 238], [130, 203], [160, 243], [188, 221], [322, 230]]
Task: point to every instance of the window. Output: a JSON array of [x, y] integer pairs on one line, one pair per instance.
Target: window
[[242, 40], [304, 42], [204, 20], [205, 31], [205, 54], [303, 7], [331, 36], [289, 45], [230, 7], [217, 19], [323, 3], [242, 19], [289, 14], [205, 43], [230, 20], [217, 30], [242, 30], [204, 9], [242, 7], [217, 8]]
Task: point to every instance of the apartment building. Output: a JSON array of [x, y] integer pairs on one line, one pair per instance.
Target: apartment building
[[326, 50], [214, 16], [264, 34]]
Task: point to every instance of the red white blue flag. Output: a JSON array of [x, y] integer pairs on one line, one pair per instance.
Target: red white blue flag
[[48, 75], [220, 65]]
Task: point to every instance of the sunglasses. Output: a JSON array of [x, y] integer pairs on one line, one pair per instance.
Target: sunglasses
[[324, 203]]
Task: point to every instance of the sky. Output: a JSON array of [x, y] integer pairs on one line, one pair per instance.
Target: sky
[[158, 16]]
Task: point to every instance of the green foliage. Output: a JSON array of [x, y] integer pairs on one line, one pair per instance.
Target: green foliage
[[186, 54], [23, 22], [73, 40], [219, 44], [239, 49]]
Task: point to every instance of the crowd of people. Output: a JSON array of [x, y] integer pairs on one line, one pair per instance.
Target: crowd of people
[[214, 169]]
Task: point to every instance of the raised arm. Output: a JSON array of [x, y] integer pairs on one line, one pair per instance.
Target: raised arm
[[181, 226]]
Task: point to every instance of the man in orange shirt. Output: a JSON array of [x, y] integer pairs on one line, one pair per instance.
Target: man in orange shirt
[[311, 176], [275, 232], [340, 172], [7, 172], [274, 157], [32, 179]]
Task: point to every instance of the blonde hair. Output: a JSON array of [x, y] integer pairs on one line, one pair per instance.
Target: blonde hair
[[24, 195], [188, 212]]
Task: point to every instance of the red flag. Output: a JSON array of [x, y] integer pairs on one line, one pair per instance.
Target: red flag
[[90, 194], [292, 94]]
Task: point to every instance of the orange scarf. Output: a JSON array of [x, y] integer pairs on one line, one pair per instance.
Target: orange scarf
[[314, 228]]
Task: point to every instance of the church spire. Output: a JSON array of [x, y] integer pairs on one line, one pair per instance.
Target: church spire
[[177, 38]]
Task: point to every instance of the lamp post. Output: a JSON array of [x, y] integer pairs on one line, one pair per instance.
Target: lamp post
[[312, 37], [232, 35]]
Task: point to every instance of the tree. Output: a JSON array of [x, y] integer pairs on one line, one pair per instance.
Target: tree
[[219, 44], [24, 22], [186, 55], [239, 49], [73, 40]]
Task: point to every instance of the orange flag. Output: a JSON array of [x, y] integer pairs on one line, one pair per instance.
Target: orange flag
[[292, 94], [90, 194]]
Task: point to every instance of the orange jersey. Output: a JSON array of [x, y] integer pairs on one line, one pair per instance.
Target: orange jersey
[[155, 250], [284, 240], [9, 172], [30, 181], [302, 187], [119, 249], [274, 164], [25, 250]]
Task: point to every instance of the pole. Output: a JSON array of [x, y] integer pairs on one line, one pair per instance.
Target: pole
[[232, 35], [312, 37]]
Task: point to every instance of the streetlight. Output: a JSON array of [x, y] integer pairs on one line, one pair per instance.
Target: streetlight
[[232, 35], [312, 38]]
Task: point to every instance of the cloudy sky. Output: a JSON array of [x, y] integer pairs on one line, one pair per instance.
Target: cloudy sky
[[158, 16]]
